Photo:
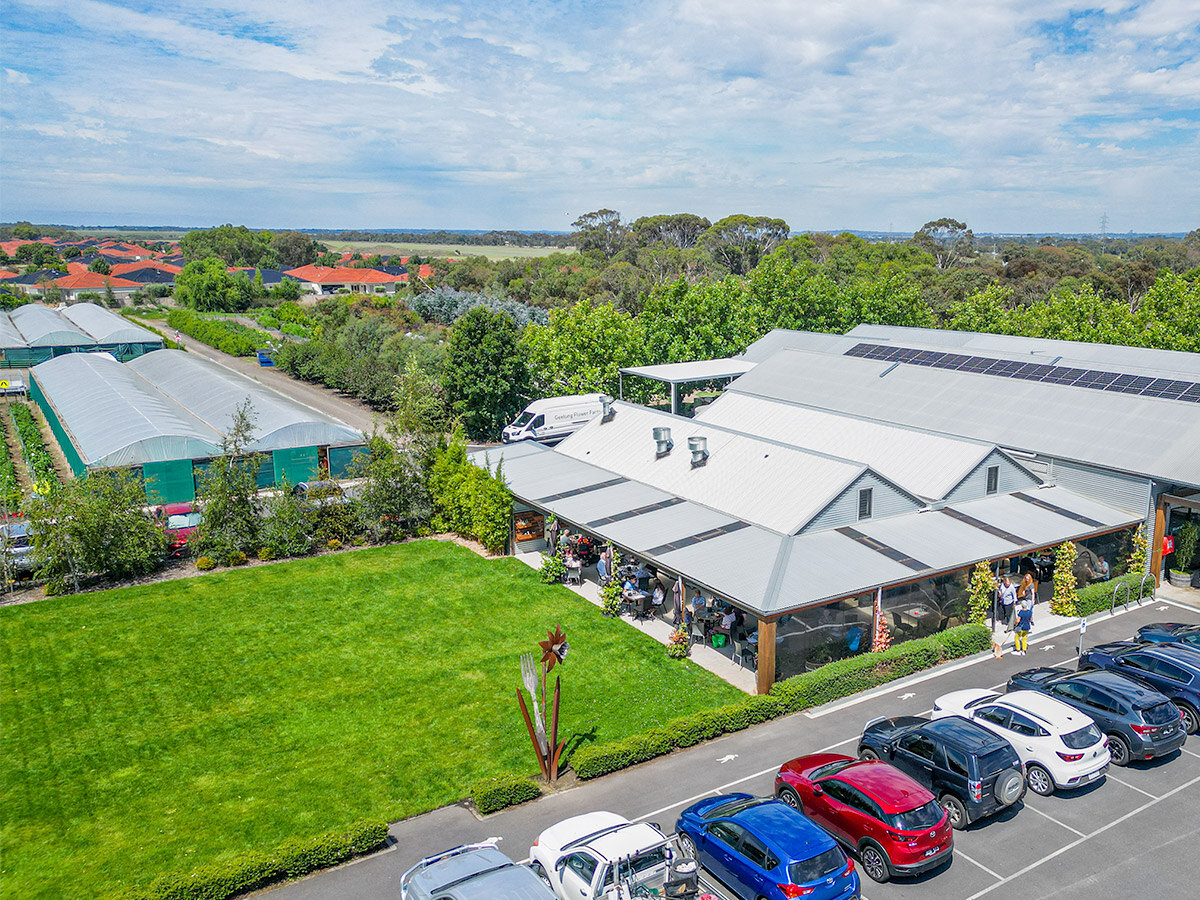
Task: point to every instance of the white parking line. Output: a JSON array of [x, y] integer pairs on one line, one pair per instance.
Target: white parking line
[[1189, 752], [1076, 843], [958, 854], [1112, 777], [1054, 820]]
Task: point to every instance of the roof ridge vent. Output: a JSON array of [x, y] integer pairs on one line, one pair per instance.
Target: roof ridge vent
[[663, 442], [607, 408], [699, 449]]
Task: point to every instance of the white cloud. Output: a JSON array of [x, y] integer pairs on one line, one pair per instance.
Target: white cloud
[[12, 76]]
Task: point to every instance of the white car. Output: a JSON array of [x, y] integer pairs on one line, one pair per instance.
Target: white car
[[600, 856], [1060, 746]]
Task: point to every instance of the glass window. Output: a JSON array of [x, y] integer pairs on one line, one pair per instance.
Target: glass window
[[1025, 726], [582, 865], [1084, 737], [755, 852], [918, 745], [726, 833], [1137, 661], [851, 796], [539, 421], [956, 762], [1071, 691], [523, 419], [917, 819], [993, 479], [828, 863], [864, 503], [1169, 670], [997, 715]]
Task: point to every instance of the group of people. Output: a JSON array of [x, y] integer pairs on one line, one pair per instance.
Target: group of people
[[1016, 609]]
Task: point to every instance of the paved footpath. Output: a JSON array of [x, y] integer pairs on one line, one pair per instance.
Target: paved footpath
[[1132, 830]]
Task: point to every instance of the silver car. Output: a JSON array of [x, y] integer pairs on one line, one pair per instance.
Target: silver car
[[472, 872]]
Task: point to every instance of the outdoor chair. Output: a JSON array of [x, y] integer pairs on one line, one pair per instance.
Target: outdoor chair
[[698, 635], [741, 653]]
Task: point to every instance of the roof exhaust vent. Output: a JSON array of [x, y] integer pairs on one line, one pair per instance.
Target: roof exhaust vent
[[663, 442], [607, 410], [699, 448]]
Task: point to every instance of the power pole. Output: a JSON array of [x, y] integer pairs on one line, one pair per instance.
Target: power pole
[[1104, 226]]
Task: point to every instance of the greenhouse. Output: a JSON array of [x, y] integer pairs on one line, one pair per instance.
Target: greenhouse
[[164, 416], [33, 333]]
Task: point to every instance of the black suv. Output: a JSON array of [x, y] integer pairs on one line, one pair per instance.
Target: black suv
[[1140, 722], [973, 772]]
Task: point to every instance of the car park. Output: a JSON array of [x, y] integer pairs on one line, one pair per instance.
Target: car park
[[973, 772], [763, 848], [472, 872], [1172, 669], [1060, 746], [893, 824], [1162, 632], [1140, 722], [600, 855]]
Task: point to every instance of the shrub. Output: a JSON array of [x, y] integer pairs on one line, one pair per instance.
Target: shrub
[[503, 791], [830, 682], [205, 563], [610, 597], [226, 336], [678, 644], [1099, 597], [1062, 603], [553, 570], [333, 544], [266, 554], [236, 558], [982, 590], [256, 869]]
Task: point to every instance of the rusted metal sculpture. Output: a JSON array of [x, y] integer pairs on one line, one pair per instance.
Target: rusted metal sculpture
[[548, 751]]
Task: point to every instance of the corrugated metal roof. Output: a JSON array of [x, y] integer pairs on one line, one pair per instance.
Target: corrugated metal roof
[[923, 463], [1143, 435], [700, 370], [116, 418], [10, 336], [759, 481], [42, 326], [1109, 357], [212, 393], [107, 327]]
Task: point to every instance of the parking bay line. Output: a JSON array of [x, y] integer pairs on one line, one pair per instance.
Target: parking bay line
[[1112, 777], [958, 853], [1076, 843], [1189, 752], [1054, 820]]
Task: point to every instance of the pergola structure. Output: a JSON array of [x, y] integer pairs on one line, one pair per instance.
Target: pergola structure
[[676, 374]]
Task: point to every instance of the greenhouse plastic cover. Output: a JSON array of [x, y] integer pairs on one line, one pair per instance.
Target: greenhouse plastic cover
[[107, 327], [42, 326], [212, 393]]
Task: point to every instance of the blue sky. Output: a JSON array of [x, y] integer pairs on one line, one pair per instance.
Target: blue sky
[[1013, 116]]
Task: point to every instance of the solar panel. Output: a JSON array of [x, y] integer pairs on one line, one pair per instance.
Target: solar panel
[[1095, 379]]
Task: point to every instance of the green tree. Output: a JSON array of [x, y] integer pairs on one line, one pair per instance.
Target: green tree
[[486, 377], [948, 240], [237, 246], [394, 497], [682, 321], [680, 231], [229, 492], [293, 249], [207, 286], [582, 349], [100, 264], [601, 231], [738, 242], [287, 524], [96, 525], [417, 407]]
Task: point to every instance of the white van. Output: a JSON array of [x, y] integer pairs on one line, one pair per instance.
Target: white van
[[554, 418]]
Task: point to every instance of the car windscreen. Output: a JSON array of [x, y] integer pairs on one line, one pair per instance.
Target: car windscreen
[[822, 866], [1160, 714], [522, 420], [1086, 736], [183, 520], [733, 807], [647, 859], [997, 760], [917, 819]]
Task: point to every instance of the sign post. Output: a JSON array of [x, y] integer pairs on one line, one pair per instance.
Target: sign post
[[1082, 631]]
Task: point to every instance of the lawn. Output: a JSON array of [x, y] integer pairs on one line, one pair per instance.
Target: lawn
[[163, 726], [453, 251]]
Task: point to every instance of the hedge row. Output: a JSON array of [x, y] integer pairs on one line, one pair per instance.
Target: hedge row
[[38, 458], [254, 869], [503, 791], [228, 337], [10, 486], [1098, 597], [830, 682]]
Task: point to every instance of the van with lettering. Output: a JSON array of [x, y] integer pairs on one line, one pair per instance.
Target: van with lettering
[[549, 421]]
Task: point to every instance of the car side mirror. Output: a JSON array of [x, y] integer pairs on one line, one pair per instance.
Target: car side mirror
[[818, 791]]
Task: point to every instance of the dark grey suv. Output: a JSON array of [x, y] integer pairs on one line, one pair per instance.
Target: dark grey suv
[[973, 772]]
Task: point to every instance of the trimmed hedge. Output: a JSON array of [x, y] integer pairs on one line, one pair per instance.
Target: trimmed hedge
[[1098, 597], [502, 791], [255, 869], [830, 682], [224, 335]]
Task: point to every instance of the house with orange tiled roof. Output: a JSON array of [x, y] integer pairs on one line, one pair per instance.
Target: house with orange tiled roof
[[330, 279], [73, 284]]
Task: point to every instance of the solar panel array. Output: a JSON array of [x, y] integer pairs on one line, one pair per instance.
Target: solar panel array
[[1095, 379]]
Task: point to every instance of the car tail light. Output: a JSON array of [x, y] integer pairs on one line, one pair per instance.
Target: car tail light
[[794, 890], [1144, 729], [1069, 757], [976, 789]]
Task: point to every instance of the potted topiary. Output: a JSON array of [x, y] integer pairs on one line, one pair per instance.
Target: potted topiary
[[1186, 540]]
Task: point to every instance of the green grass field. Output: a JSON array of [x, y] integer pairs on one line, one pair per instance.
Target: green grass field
[[454, 251], [164, 726]]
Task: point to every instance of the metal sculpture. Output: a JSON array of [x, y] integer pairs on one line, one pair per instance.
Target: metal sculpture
[[548, 749]]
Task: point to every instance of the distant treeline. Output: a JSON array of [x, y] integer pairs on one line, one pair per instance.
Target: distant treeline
[[466, 239]]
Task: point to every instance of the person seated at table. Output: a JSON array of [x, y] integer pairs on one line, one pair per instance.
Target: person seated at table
[[629, 589], [659, 595], [697, 603], [1103, 571], [601, 570]]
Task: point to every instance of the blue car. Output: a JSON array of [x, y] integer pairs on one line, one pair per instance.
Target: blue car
[[762, 848], [1163, 632], [1171, 669]]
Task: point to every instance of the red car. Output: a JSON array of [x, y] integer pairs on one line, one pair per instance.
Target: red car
[[179, 521], [893, 824]]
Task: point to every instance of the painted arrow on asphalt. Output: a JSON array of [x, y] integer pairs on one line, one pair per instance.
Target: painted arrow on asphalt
[[907, 696], [725, 759], [1047, 647], [1163, 608]]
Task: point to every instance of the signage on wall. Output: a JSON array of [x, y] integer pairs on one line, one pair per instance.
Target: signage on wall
[[1168, 544]]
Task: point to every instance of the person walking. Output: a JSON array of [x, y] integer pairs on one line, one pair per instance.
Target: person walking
[[1023, 624], [1027, 590], [1008, 601]]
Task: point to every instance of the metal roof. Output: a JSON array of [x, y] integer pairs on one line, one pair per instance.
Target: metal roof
[[767, 483], [42, 326], [924, 463], [212, 393], [116, 418], [10, 336], [1148, 436], [700, 370], [107, 327]]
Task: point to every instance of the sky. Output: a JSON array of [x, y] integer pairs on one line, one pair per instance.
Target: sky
[[1012, 116]]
